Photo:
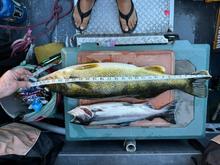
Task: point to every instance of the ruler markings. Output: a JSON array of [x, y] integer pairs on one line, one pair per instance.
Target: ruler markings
[[117, 79]]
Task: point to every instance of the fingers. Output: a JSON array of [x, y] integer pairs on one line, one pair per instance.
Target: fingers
[[23, 84], [22, 71]]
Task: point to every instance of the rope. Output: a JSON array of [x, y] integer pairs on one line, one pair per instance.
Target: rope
[[22, 45]]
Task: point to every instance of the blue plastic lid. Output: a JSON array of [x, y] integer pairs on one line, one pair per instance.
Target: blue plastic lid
[[37, 105], [6, 8]]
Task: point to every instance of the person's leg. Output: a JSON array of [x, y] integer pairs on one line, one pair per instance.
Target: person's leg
[[85, 6], [125, 7]]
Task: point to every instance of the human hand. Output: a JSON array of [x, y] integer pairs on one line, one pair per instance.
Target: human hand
[[12, 80]]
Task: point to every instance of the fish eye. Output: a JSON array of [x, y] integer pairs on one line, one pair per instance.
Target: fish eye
[[87, 111]]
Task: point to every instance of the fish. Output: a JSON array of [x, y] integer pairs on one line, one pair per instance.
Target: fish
[[135, 89], [119, 113]]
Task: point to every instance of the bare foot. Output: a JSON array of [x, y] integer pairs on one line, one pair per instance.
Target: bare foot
[[85, 6], [124, 7]]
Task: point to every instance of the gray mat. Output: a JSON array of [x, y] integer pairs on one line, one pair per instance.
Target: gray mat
[[151, 17]]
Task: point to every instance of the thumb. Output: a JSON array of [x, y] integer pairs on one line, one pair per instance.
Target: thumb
[[24, 84]]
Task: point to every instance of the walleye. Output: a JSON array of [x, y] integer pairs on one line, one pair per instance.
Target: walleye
[[137, 89], [119, 113]]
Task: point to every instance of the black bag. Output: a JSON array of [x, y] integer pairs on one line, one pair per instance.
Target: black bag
[[44, 152], [211, 154], [6, 61]]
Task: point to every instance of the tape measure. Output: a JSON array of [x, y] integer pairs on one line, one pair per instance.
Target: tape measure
[[39, 71], [118, 79]]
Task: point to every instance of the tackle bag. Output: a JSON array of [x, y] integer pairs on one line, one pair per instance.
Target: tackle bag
[[211, 155], [43, 152], [6, 60]]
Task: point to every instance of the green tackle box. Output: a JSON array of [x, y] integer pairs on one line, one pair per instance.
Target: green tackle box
[[197, 54]]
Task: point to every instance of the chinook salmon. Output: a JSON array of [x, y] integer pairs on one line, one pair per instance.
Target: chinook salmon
[[137, 89], [119, 113]]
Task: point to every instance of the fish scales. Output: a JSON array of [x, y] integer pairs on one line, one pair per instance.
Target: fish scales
[[137, 89], [119, 113]]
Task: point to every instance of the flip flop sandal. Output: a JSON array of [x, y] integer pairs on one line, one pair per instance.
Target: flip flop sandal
[[127, 17], [82, 15]]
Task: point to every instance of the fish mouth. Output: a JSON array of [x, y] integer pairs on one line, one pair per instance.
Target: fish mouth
[[82, 116], [87, 111]]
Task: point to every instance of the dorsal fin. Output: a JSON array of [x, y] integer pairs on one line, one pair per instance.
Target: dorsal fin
[[86, 66], [155, 68]]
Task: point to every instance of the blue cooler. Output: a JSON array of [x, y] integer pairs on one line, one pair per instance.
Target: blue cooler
[[12, 12], [197, 54]]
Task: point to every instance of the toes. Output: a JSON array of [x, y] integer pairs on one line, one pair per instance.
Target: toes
[[132, 21], [84, 24], [77, 18], [130, 24], [85, 6], [124, 25]]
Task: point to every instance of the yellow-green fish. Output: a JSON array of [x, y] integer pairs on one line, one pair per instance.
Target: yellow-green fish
[[137, 89]]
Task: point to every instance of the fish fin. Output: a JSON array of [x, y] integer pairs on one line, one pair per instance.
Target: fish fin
[[86, 66], [169, 115], [197, 87], [171, 105], [84, 85], [202, 72], [156, 68]]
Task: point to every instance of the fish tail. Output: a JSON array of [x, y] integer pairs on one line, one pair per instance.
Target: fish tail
[[197, 87], [169, 114]]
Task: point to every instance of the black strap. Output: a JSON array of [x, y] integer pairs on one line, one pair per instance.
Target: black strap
[[127, 16], [83, 15]]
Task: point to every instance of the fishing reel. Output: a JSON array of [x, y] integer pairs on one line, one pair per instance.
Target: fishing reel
[[12, 12]]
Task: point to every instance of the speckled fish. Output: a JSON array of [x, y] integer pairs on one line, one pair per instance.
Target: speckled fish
[[119, 113], [137, 89]]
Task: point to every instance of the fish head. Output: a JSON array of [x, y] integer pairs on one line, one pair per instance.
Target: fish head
[[81, 115]]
